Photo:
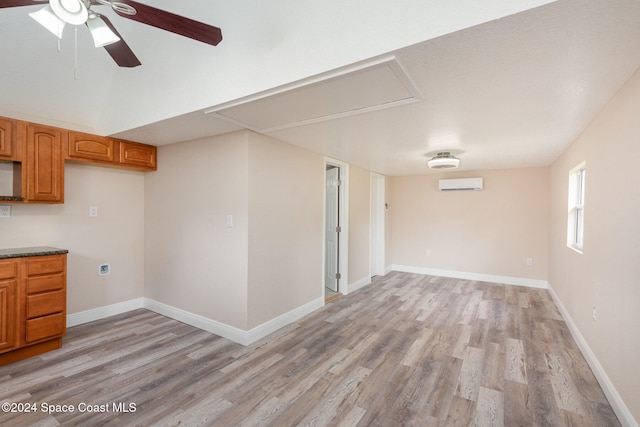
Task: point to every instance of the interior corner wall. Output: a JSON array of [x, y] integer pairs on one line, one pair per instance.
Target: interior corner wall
[[115, 236], [194, 260], [606, 275], [489, 232], [359, 225], [286, 229]]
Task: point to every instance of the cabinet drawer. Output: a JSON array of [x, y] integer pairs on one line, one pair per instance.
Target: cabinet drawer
[[45, 265], [8, 269], [45, 327], [43, 304], [45, 283]]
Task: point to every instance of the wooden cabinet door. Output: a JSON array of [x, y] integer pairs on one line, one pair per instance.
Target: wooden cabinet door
[[83, 146], [138, 155], [9, 271], [6, 139], [45, 166], [8, 313]]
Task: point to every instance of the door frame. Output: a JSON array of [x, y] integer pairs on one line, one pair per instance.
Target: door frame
[[343, 220], [377, 262]]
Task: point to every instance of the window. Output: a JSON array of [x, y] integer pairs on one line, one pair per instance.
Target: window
[[575, 223]]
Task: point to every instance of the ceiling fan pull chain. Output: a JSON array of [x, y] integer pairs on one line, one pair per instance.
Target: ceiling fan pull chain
[[75, 56], [59, 32]]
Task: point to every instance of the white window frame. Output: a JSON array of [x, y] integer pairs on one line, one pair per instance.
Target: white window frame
[[575, 217]]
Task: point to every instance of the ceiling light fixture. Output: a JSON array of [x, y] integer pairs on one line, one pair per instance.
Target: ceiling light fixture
[[57, 13], [443, 160], [49, 20], [100, 31], [72, 12]]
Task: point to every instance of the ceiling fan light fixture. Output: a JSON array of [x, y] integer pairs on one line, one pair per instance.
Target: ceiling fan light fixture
[[100, 31], [72, 12], [443, 160], [49, 20]]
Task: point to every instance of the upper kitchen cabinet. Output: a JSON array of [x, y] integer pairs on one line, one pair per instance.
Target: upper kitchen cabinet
[[10, 139], [32, 158], [44, 164], [140, 156], [102, 150], [92, 148], [7, 150]]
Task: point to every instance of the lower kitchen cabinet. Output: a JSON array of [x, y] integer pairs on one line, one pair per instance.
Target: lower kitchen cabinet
[[33, 301]]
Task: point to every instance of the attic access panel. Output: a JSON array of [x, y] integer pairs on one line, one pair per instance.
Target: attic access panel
[[347, 92]]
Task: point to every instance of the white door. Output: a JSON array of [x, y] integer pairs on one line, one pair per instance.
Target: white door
[[331, 229]]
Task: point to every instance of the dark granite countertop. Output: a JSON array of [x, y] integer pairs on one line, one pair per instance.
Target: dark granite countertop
[[11, 199], [33, 251]]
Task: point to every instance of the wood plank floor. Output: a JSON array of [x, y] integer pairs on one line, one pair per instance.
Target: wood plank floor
[[408, 350]]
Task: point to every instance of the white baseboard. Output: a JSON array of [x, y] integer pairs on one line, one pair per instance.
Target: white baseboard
[[358, 284], [506, 280], [200, 322], [105, 311], [234, 334], [616, 402], [230, 332], [281, 321]]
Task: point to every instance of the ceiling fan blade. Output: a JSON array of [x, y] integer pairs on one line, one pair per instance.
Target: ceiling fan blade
[[120, 50], [171, 22], [15, 3]]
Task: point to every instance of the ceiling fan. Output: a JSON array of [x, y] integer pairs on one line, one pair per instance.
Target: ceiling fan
[[57, 13]]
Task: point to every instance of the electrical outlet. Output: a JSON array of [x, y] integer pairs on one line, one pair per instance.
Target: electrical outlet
[[529, 261], [5, 211], [104, 269], [93, 211], [428, 252], [593, 313]]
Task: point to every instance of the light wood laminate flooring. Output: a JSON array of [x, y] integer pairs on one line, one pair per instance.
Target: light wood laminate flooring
[[407, 350]]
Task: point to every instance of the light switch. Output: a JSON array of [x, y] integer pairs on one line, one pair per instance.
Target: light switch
[[229, 221]]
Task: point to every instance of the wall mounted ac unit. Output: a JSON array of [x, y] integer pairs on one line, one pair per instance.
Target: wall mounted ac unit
[[461, 184]]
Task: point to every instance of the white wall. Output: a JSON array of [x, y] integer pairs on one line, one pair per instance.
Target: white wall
[[606, 275], [490, 232], [286, 185], [116, 236], [269, 263], [193, 261], [359, 224]]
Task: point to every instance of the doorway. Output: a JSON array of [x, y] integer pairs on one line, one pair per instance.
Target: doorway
[[332, 231], [335, 229], [378, 216]]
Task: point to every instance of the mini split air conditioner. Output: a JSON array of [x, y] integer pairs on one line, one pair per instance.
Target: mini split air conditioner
[[461, 184]]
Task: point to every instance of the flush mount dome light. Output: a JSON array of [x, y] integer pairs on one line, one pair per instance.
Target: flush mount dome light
[[443, 160]]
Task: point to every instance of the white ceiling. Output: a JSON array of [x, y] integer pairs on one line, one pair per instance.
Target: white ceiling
[[384, 87]]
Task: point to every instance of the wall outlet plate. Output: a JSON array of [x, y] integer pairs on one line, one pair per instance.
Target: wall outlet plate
[[5, 211], [104, 269]]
